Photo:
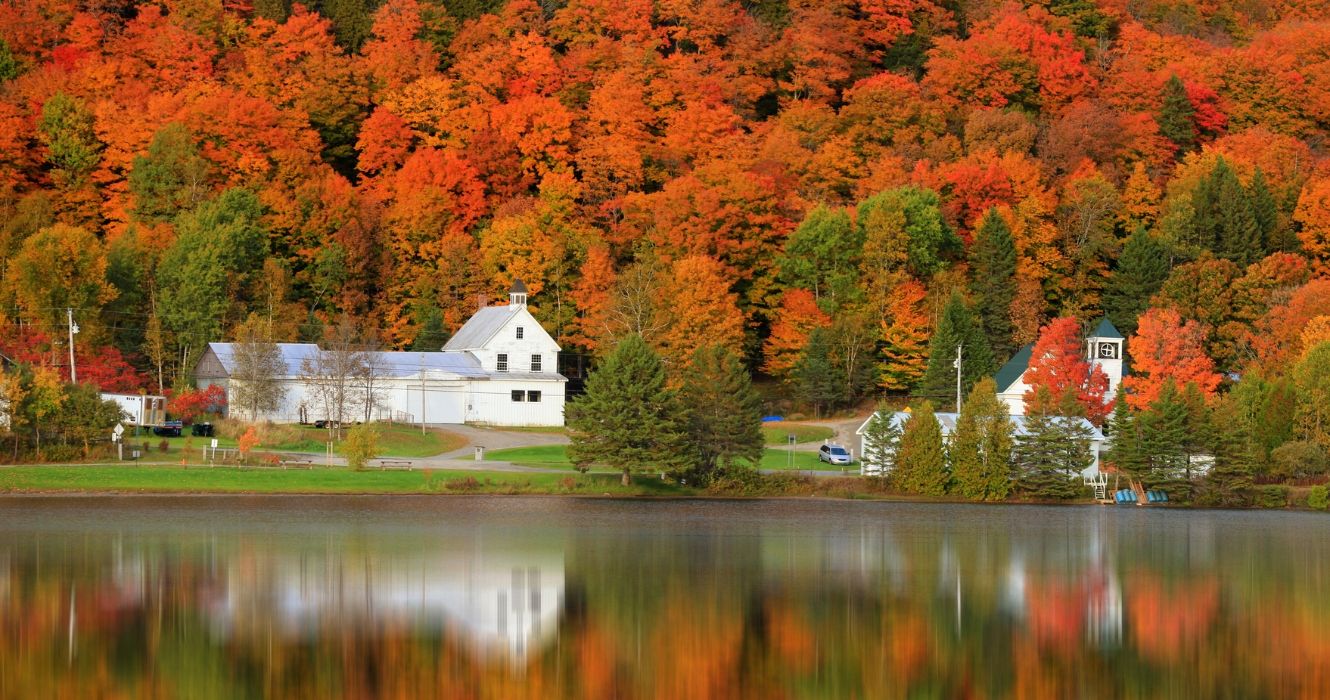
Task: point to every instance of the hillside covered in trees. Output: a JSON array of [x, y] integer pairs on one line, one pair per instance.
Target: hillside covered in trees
[[807, 182]]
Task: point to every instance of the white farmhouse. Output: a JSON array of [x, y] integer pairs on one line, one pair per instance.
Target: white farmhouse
[[1103, 348], [948, 423], [500, 368]]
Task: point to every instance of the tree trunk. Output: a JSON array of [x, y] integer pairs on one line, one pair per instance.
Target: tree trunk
[[626, 481]]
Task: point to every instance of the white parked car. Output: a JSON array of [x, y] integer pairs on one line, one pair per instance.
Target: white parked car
[[834, 454]]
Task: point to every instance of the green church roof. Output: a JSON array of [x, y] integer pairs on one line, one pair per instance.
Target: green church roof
[[1106, 329], [1014, 368]]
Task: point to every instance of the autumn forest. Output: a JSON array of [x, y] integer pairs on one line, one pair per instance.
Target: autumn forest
[[807, 183]]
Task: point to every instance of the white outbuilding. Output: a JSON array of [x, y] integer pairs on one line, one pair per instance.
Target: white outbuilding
[[500, 368]]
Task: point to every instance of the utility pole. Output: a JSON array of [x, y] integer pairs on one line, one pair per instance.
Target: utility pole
[[73, 372], [958, 377], [422, 393]]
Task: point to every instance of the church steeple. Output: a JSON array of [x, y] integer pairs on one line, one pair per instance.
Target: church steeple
[[517, 295], [1104, 349]]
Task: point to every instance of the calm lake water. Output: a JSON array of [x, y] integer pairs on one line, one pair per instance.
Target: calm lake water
[[226, 597]]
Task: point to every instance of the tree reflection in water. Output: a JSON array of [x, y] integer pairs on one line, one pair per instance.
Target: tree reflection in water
[[532, 597]]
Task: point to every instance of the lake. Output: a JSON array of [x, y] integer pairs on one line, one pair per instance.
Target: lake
[[406, 597]]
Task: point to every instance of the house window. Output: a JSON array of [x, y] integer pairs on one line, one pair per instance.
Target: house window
[[503, 362], [535, 363], [532, 396], [518, 395], [519, 332]]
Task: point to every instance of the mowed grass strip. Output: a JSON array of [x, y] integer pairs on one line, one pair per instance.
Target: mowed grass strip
[[556, 457], [175, 479], [778, 433], [395, 440]]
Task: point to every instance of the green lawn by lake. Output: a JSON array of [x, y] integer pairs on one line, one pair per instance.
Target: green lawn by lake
[[556, 457], [395, 440], [778, 433], [174, 479]]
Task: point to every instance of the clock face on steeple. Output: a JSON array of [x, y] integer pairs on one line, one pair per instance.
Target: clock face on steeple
[[1108, 351]]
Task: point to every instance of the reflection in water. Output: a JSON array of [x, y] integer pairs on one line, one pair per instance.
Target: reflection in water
[[535, 597]]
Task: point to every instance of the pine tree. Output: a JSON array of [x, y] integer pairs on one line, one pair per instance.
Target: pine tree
[[1142, 269], [1223, 220], [431, 336], [1177, 116], [921, 466], [722, 412], [993, 282], [817, 380], [1163, 431], [628, 418], [1200, 430], [881, 441], [1229, 481], [1124, 438], [1051, 454], [981, 448], [956, 327], [1266, 213]]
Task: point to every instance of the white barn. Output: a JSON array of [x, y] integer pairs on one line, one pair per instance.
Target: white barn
[[1103, 348], [948, 423], [500, 369]]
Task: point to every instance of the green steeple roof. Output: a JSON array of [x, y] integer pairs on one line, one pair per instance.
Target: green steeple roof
[[1106, 329]]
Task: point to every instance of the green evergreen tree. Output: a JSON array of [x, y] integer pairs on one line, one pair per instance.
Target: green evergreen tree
[[1223, 220], [1229, 481], [881, 441], [171, 178], [956, 327], [822, 256], [351, 20], [1051, 454], [722, 413], [817, 380], [921, 465], [1163, 431], [981, 448], [1200, 430], [1266, 213], [1142, 269], [628, 419], [1177, 116], [993, 282], [1124, 438]]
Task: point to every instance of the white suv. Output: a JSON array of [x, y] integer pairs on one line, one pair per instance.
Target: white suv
[[834, 454]]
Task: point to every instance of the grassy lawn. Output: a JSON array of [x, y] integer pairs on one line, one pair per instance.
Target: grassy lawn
[[556, 457], [394, 441], [775, 433], [172, 479]]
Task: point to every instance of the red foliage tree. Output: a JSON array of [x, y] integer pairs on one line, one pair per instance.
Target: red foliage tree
[[1167, 350], [189, 404], [1058, 363]]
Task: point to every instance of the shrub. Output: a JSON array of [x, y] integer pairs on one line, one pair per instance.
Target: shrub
[[61, 453], [164, 446], [466, 483], [360, 446], [1319, 498], [1272, 496], [1298, 459], [247, 442]]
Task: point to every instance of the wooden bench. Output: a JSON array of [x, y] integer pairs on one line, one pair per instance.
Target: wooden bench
[[394, 464], [309, 463]]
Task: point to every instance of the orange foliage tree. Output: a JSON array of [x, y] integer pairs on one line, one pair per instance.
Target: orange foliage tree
[[1167, 350]]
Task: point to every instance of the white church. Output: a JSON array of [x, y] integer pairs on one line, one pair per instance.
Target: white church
[[1103, 348], [499, 369]]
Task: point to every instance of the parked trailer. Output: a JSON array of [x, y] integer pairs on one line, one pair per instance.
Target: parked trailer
[[140, 410]]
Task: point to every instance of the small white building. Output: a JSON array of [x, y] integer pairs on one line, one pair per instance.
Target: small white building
[[141, 410], [1018, 425], [500, 368], [1103, 348]]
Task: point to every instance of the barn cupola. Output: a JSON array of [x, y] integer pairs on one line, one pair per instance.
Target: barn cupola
[[517, 295]]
